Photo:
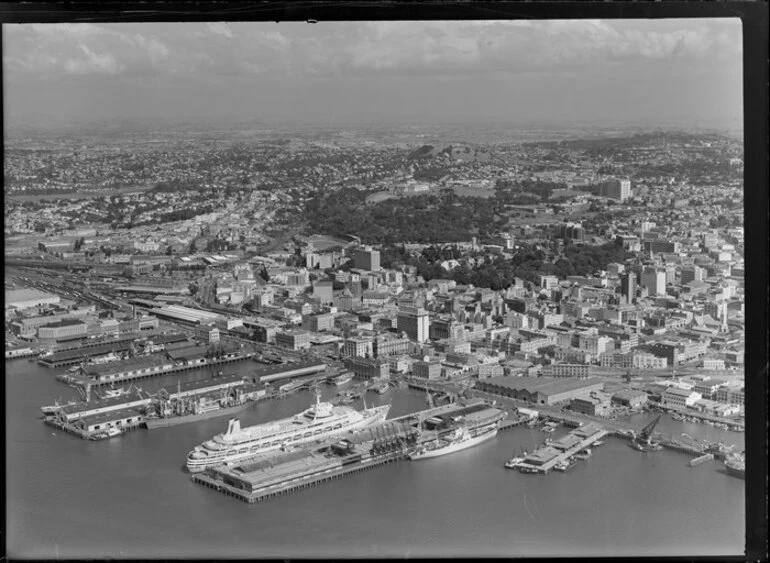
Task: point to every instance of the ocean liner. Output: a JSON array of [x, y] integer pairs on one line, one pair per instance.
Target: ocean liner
[[320, 421]]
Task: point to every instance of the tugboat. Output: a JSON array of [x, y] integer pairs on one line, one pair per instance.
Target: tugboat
[[736, 466], [585, 454], [566, 464]]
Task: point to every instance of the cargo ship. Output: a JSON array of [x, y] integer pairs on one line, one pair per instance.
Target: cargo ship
[[321, 421], [203, 412], [459, 440]]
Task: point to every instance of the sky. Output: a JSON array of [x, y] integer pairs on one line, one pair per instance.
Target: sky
[[685, 72]]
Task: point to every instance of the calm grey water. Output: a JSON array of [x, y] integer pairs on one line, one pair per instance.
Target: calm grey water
[[128, 497]]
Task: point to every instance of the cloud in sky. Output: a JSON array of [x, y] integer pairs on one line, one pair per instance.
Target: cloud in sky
[[238, 54], [350, 48]]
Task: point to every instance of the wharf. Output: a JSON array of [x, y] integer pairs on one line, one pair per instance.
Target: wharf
[[732, 424], [187, 389], [274, 474], [78, 355], [544, 459], [84, 381], [17, 353], [87, 428]]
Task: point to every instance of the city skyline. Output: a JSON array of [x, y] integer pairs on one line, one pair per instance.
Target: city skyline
[[522, 71]]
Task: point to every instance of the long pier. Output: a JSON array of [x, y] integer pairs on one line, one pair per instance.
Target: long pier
[[275, 474], [88, 381]]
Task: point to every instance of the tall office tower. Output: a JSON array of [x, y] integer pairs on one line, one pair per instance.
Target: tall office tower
[[628, 286], [691, 273], [414, 321], [616, 189], [654, 279], [367, 259]]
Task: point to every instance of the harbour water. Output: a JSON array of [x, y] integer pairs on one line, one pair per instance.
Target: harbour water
[[129, 498]]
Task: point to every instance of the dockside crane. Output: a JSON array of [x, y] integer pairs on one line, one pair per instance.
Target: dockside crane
[[643, 441]]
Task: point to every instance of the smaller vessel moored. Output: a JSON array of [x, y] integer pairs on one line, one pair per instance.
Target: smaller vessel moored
[[458, 440], [736, 466]]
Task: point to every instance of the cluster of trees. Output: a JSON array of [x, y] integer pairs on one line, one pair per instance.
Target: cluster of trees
[[498, 272], [420, 153], [424, 218], [183, 214], [175, 185], [431, 173], [513, 191]]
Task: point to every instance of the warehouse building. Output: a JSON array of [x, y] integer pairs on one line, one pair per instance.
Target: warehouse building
[[541, 390]]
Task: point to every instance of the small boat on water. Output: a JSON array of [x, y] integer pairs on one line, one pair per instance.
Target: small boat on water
[[566, 464], [52, 410], [342, 380], [599, 443], [584, 454], [105, 434]]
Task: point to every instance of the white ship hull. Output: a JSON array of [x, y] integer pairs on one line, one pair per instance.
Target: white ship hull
[[453, 447], [202, 458]]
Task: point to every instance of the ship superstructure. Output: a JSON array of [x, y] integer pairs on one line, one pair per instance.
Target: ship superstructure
[[318, 422]]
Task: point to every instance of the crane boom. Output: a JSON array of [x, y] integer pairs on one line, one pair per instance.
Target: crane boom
[[646, 433]]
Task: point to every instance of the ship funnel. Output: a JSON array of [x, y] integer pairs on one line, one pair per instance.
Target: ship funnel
[[233, 426]]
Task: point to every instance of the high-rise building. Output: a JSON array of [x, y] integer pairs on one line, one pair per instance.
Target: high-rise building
[[323, 290], [358, 347], [615, 189], [572, 232], [415, 322], [654, 279], [691, 273], [628, 286], [367, 259]]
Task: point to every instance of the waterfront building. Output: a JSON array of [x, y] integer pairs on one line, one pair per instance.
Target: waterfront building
[[731, 395], [387, 344], [427, 370], [541, 390], [486, 370], [356, 346], [399, 364], [713, 364], [593, 405], [293, 339], [565, 370], [630, 398], [318, 323], [676, 397], [368, 368], [678, 352], [65, 329]]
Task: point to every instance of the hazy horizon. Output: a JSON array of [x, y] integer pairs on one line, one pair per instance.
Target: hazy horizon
[[677, 73]]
